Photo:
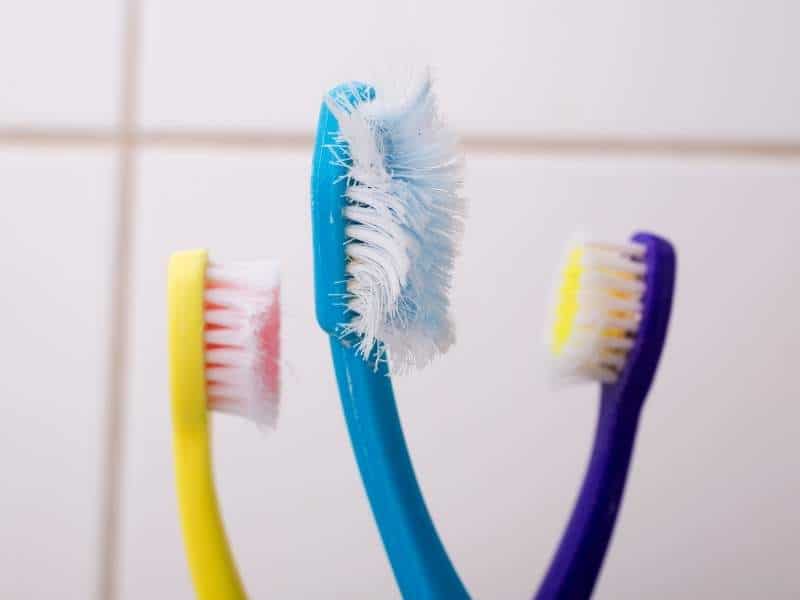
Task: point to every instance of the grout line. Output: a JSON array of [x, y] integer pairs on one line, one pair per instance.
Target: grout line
[[480, 144], [633, 146], [487, 144], [254, 140], [21, 136], [119, 330]]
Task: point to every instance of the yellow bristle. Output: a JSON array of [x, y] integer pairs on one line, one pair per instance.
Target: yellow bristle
[[597, 309], [567, 307]]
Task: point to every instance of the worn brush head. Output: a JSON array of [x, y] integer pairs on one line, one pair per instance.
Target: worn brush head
[[403, 214], [242, 339], [598, 309]]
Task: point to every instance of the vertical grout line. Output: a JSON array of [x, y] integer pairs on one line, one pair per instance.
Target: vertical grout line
[[119, 326]]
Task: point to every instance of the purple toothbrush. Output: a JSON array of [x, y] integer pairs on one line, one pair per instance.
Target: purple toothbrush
[[610, 325]]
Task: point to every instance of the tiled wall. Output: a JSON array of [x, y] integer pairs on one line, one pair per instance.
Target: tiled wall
[[129, 129]]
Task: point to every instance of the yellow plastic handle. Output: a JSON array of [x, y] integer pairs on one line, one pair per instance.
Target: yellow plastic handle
[[210, 560]]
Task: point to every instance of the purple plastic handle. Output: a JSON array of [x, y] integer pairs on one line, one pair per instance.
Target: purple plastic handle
[[577, 563]]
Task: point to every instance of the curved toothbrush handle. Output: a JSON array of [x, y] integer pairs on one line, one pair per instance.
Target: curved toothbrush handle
[[421, 566], [576, 565], [210, 559]]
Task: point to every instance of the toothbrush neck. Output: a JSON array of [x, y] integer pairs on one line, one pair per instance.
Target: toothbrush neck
[[418, 557], [576, 565]]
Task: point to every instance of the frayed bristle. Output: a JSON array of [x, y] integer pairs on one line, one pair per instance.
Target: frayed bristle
[[405, 220], [598, 309], [242, 339]]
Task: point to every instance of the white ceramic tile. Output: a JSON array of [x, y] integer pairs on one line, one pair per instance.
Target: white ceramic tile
[[59, 62], [55, 241], [619, 68], [711, 504]]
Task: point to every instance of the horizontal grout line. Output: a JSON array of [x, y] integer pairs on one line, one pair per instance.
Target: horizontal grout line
[[226, 139], [619, 146], [490, 144], [57, 137]]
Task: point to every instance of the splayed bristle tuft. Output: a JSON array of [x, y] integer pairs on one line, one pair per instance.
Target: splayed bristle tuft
[[597, 310], [405, 216], [242, 339]]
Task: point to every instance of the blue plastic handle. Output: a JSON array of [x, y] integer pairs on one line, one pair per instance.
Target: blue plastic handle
[[579, 558], [420, 563], [419, 560]]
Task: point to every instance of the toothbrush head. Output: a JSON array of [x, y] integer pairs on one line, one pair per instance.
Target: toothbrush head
[[612, 307], [387, 218], [242, 339], [224, 322]]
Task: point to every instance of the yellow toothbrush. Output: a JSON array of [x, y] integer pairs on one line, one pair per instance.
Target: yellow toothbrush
[[224, 323]]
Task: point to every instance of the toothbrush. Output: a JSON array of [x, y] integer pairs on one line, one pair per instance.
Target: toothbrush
[[387, 215], [610, 325], [224, 321]]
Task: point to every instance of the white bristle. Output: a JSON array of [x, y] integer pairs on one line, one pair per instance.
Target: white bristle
[[242, 339], [405, 216], [600, 286]]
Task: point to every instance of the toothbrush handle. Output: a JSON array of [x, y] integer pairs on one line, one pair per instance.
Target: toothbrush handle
[[576, 565], [419, 560]]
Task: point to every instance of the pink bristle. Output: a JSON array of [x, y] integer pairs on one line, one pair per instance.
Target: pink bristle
[[242, 333]]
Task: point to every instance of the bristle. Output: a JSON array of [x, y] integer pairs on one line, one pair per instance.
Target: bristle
[[405, 216], [242, 341], [598, 309]]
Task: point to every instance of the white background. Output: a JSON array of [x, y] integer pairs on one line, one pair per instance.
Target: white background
[[574, 114]]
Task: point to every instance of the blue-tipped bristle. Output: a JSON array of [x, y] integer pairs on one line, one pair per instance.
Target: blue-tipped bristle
[[405, 218]]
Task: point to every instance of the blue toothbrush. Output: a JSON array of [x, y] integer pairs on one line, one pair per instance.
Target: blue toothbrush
[[370, 309]]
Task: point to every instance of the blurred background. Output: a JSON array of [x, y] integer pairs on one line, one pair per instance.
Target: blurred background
[[133, 128]]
